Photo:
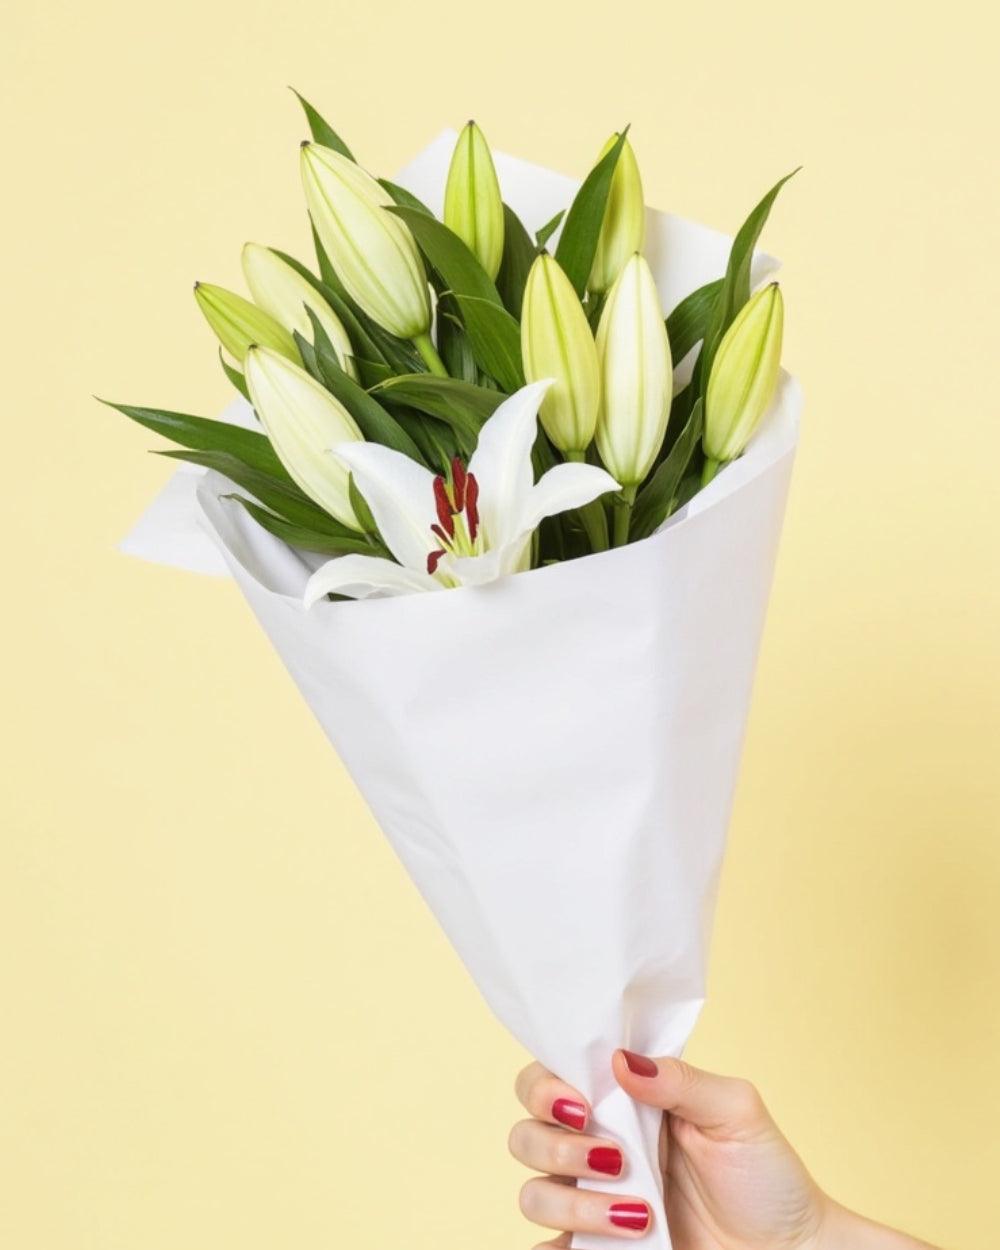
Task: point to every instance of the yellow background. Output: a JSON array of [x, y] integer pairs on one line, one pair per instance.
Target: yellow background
[[227, 1020]]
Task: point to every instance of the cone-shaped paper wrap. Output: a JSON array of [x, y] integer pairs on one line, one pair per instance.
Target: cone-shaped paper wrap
[[553, 756]]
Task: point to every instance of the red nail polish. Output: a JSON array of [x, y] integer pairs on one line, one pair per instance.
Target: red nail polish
[[606, 1159], [639, 1065], [633, 1215], [572, 1114]]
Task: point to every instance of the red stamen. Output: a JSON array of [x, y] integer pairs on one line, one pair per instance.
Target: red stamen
[[443, 505], [458, 477], [439, 532], [471, 505], [432, 561]]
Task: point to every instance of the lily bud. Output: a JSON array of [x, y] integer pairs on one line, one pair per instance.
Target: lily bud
[[744, 375], [238, 323], [556, 342], [624, 225], [283, 293], [303, 422], [636, 375], [473, 207], [373, 252]]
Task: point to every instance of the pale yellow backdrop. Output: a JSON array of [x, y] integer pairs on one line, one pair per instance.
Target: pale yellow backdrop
[[227, 1020]]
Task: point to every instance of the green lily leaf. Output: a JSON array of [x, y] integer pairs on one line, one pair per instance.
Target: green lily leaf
[[548, 230], [234, 376], [453, 343], [578, 241], [374, 422], [326, 269], [321, 129], [463, 406], [401, 196], [657, 498], [435, 438], [278, 495], [203, 434], [495, 339], [689, 487], [308, 354], [359, 505], [687, 323], [735, 289], [306, 539], [372, 341], [361, 341], [518, 256], [450, 256], [494, 335], [372, 373]]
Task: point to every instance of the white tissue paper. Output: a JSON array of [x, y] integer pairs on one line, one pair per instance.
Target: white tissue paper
[[552, 756]]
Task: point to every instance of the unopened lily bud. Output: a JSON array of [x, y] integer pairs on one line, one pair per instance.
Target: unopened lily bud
[[744, 375], [238, 323], [283, 292], [473, 207], [636, 375], [373, 251], [556, 342], [624, 225], [303, 422]]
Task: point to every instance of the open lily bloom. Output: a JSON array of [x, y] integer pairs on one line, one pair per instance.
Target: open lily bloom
[[472, 530]]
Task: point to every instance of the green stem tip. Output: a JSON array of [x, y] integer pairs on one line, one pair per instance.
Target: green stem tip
[[592, 515], [430, 356], [623, 515], [709, 470]]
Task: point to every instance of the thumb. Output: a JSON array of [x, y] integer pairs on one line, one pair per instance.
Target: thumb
[[720, 1103]]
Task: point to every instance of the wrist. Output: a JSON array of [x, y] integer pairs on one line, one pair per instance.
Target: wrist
[[841, 1229]]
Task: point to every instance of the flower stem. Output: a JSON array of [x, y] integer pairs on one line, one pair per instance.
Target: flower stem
[[623, 515], [592, 514], [430, 356], [711, 467]]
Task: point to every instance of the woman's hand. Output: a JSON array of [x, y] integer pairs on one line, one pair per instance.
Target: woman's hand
[[731, 1180]]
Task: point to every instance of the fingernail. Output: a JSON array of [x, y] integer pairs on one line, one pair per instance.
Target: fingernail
[[639, 1065], [572, 1114], [606, 1159], [633, 1215]]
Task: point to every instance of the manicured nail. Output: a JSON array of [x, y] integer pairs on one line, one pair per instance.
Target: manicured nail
[[572, 1114], [633, 1215], [606, 1159], [639, 1065]]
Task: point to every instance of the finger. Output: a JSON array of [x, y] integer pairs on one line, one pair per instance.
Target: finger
[[547, 1202], [547, 1098], [558, 1244], [544, 1148], [720, 1103]]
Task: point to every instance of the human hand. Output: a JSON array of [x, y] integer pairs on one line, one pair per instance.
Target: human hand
[[731, 1179]]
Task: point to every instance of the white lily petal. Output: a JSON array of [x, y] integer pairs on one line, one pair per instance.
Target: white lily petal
[[475, 570], [363, 577], [501, 463], [564, 487], [400, 493]]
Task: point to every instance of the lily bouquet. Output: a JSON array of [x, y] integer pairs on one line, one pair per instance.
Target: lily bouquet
[[472, 389]]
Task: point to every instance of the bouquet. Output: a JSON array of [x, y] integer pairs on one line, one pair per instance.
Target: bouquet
[[475, 390]]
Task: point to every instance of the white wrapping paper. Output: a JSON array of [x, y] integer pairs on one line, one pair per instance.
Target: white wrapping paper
[[553, 756]]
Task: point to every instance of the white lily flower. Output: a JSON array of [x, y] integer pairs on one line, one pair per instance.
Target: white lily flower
[[465, 532]]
